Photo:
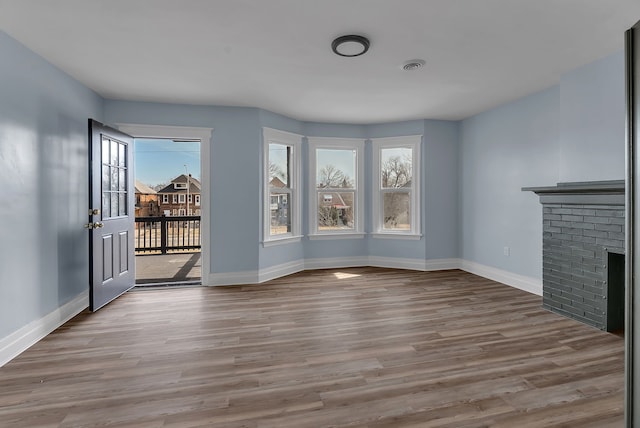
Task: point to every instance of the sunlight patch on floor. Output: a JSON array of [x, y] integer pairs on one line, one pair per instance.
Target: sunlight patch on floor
[[344, 275]]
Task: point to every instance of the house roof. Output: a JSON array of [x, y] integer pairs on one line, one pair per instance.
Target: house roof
[[194, 185], [276, 182], [478, 54], [143, 188]]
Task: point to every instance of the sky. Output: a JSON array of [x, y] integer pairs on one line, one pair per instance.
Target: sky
[[160, 161], [344, 160]]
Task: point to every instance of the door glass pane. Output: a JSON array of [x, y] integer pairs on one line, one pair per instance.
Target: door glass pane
[[335, 168], [122, 179], [105, 150], [106, 204], [122, 204], [114, 204], [122, 155], [335, 210], [114, 153], [106, 178], [280, 209], [395, 167], [397, 211], [114, 178]]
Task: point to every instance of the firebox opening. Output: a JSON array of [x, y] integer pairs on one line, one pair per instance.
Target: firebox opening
[[615, 293]]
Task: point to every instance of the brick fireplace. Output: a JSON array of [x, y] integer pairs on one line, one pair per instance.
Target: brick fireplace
[[583, 251]]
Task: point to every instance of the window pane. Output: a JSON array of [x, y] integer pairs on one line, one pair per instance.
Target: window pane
[[335, 210], [280, 209], [279, 156], [335, 168], [396, 167], [397, 211]]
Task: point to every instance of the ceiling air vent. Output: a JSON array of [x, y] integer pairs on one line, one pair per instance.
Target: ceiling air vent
[[413, 64]]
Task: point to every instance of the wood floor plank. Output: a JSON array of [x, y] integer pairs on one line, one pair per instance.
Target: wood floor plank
[[358, 347]]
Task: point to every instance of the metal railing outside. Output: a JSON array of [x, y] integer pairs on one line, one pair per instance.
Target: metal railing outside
[[167, 234]]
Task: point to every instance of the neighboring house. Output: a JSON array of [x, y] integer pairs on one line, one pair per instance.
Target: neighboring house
[[279, 204], [335, 209], [146, 201], [174, 198]]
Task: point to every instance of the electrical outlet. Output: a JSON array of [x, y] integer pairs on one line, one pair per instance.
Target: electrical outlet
[[507, 251]]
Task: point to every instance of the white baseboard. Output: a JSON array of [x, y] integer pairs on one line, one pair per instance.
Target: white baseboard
[[414, 264], [233, 278], [442, 264], [27, 336], [397, 263], [525, 283], [335, 262], [278, 271]]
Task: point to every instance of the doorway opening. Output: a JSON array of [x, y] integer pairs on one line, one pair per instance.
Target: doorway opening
[[168, 210]]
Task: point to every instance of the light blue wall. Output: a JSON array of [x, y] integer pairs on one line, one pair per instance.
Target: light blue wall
[[440, 183], [573, 131], [44, 250], [592, 131], [503, 150]]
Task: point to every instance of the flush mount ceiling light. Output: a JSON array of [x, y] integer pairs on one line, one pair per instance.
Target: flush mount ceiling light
[[413, 64], [350, 45]]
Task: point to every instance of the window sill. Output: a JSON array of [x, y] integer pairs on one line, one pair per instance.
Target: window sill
[[391, 235], [281, 241], [349, 235]]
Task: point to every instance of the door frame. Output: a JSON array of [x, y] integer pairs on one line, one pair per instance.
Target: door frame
[[187, 133]]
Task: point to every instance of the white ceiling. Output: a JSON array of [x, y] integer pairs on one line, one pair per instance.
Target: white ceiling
[[276, 54]]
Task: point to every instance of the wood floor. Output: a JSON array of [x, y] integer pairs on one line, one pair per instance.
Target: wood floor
[[362, 347]]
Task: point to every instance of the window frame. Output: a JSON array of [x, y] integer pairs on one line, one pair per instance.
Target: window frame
[[414, 143], [333, 143], [165, 198], [275, 136], [197, 200]]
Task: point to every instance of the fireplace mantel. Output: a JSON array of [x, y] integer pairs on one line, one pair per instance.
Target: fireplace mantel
[[585, 192]]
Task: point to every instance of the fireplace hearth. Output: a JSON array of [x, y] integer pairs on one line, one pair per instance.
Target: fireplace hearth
[[583, 251]]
